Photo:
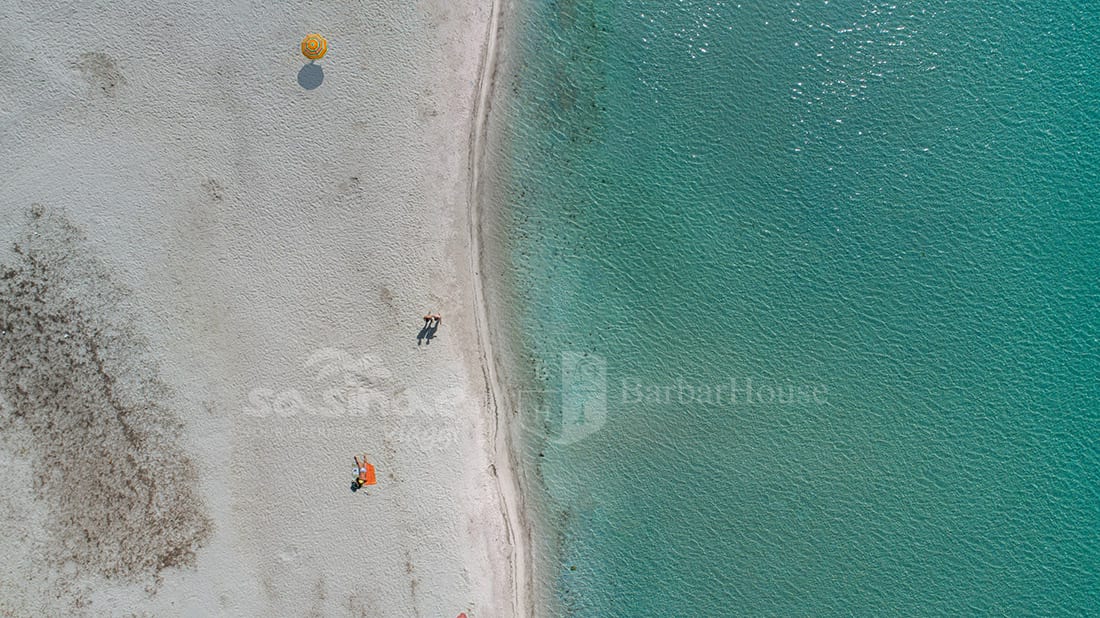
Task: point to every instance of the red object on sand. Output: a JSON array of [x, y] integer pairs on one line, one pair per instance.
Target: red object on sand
[[366, 472], [462, 615]]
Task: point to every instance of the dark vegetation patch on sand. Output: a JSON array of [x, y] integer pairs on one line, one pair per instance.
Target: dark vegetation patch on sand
[[101, 72], [80, 382]]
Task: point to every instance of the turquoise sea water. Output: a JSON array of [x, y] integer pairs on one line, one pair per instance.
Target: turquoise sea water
[[876, 224]]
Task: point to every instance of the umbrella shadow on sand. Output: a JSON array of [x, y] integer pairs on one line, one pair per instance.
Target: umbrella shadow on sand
[[310, 76]]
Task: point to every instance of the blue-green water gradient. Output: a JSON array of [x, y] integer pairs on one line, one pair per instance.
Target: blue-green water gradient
[[888, 210]]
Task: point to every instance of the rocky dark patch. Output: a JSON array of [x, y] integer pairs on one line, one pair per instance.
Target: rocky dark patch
[[81, 384]]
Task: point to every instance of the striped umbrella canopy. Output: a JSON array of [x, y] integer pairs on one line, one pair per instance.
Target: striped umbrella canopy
[[314, 46]]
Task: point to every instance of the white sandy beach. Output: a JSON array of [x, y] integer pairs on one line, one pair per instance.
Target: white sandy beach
[[273, 249]]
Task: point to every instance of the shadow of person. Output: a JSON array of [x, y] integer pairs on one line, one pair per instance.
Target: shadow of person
[[425, 335], [310, 76]]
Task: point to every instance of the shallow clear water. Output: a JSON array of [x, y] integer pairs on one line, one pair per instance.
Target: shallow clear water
[[876, 226]]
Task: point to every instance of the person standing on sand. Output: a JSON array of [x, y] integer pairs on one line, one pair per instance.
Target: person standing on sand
[[425, 335]]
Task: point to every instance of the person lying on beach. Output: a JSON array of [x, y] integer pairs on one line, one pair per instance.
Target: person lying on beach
[[364, 472]]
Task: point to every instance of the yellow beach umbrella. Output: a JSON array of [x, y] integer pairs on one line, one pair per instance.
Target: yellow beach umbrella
[[314, 46]]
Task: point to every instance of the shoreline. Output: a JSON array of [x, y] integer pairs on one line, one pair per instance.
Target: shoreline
[[506, 476]]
